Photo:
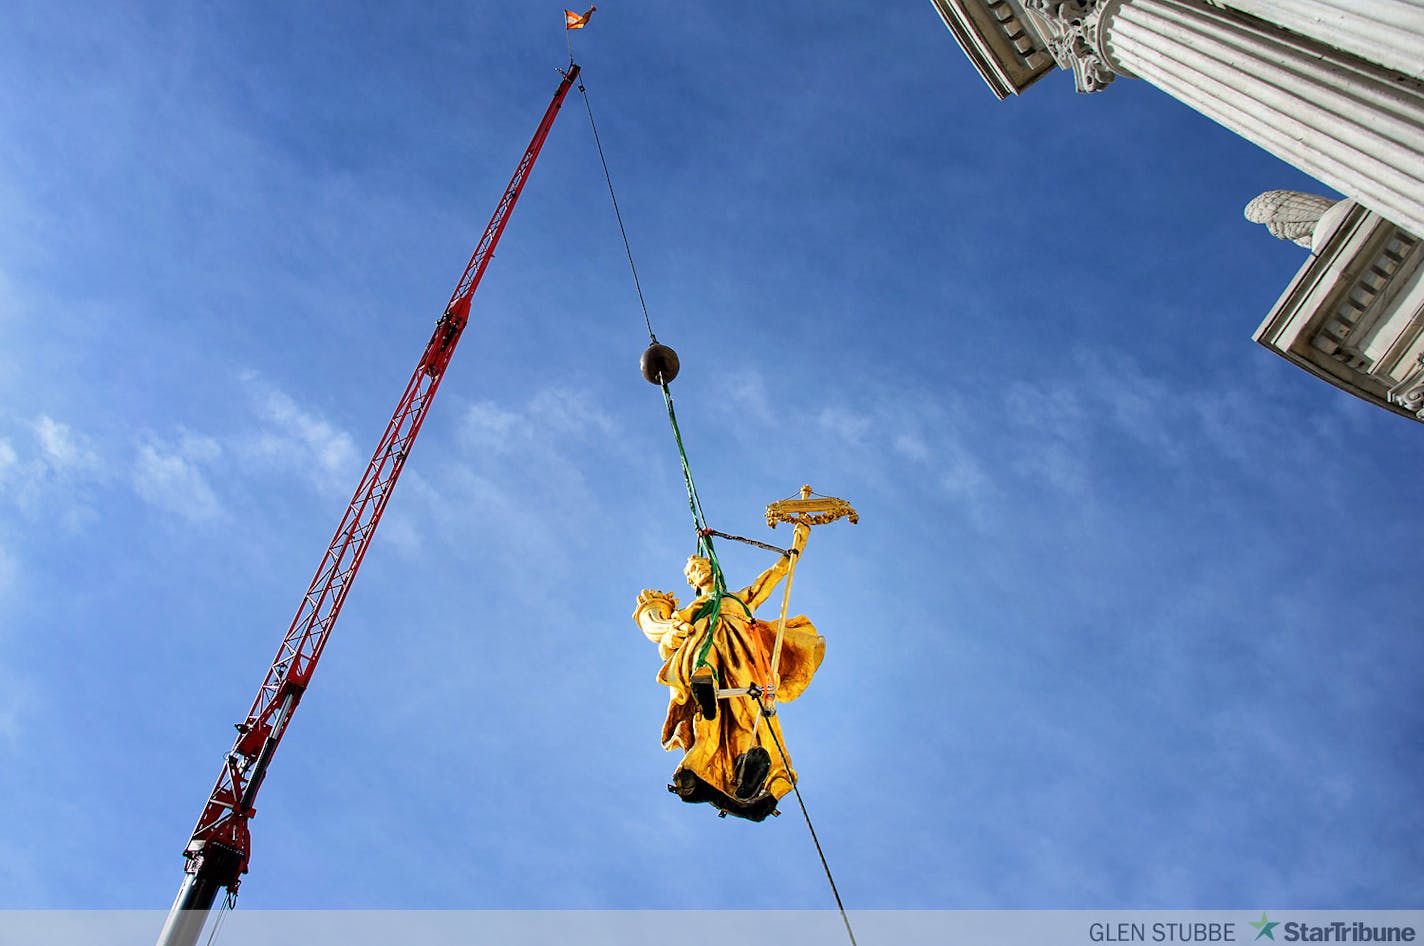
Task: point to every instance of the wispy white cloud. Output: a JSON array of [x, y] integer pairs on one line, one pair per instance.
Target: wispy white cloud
[[746, 392], [13, 696], [1050, 420], [544, 430], [491, 426], [1121, 394], [52, 475], [552, 418], [518, 475], [912, 446], [292, 438], [9, 571], [60, 448], [8, 302], [1061, 437], [947, 458], [965, 478], [928, 444], [1057, 463], [171, 477], [850, 426]]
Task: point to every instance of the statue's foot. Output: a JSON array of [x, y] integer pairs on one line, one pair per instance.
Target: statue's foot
[[758, 808], [687, 786], [704, 691], [692, 789], [751, 768]]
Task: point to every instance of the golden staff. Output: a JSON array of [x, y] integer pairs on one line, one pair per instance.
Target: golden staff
[[807, 510]]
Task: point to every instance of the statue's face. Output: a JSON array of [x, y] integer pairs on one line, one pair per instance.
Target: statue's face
[[698, 572]]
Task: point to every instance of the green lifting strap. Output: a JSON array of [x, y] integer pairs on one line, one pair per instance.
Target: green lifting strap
[[712, 608]]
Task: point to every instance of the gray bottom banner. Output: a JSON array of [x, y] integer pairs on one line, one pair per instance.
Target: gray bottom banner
[[719, 928]]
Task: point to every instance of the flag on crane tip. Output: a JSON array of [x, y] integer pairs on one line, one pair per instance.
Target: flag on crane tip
[[573, 21]]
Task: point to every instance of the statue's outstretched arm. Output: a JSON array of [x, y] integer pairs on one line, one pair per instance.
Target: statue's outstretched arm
[[758, 591]]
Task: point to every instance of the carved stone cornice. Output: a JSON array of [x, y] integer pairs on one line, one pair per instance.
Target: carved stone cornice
[[1354, 313], [1073, 31], [1002, 45]]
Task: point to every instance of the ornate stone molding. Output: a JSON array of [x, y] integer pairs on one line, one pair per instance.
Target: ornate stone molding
[[1354, 313], [1409, 393], [995, 35], [1073, 32], [1356, 317]]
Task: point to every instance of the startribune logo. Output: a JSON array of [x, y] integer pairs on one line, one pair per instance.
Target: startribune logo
[[1264, 927], [1336, 931]]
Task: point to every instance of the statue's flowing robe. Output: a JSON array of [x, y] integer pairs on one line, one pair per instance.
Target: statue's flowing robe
[[740, 655]]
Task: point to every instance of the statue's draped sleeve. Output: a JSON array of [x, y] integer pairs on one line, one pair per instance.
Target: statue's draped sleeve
[[802, 650], [757, 592]]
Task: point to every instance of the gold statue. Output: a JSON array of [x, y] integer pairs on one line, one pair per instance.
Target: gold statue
[[726, 670]]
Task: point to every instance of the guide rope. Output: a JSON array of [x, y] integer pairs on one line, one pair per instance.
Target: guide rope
[[835, 892]]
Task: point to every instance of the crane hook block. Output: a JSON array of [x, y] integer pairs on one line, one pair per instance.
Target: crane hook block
[[659, 364]]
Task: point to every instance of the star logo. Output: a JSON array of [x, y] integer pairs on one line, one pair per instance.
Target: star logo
[[1265, 927]]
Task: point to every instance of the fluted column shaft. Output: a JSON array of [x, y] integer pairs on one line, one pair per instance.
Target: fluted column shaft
[[1384, 31], [1352, 124]]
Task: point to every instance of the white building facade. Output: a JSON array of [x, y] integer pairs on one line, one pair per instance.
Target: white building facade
[[1333, 87]]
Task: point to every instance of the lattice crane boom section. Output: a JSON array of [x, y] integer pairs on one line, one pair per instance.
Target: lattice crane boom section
[[229, 807], [484, 251]]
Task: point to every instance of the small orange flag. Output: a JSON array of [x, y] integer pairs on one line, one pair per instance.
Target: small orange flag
[[572, 21]]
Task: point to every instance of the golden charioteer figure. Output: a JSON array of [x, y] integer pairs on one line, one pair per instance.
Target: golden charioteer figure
[[726, 669]]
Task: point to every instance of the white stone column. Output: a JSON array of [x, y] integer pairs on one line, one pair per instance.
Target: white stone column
[[1351, 124], [1384, 31], [1355, 125]]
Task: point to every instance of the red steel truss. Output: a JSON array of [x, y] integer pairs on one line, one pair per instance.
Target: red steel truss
[[217, 855]]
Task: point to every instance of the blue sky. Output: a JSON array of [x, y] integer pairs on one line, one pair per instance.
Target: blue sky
[[1130, 618]]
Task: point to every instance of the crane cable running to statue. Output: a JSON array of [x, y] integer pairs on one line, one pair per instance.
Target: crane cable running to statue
[[715, 650]]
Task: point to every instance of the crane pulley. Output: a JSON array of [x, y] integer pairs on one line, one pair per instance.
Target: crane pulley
[[218, 851]]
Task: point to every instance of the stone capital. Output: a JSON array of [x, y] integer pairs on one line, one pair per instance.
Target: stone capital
[[1073, 31], [1409, 392]]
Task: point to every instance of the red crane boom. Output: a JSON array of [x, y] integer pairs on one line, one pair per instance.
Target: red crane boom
[[217, 855]]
